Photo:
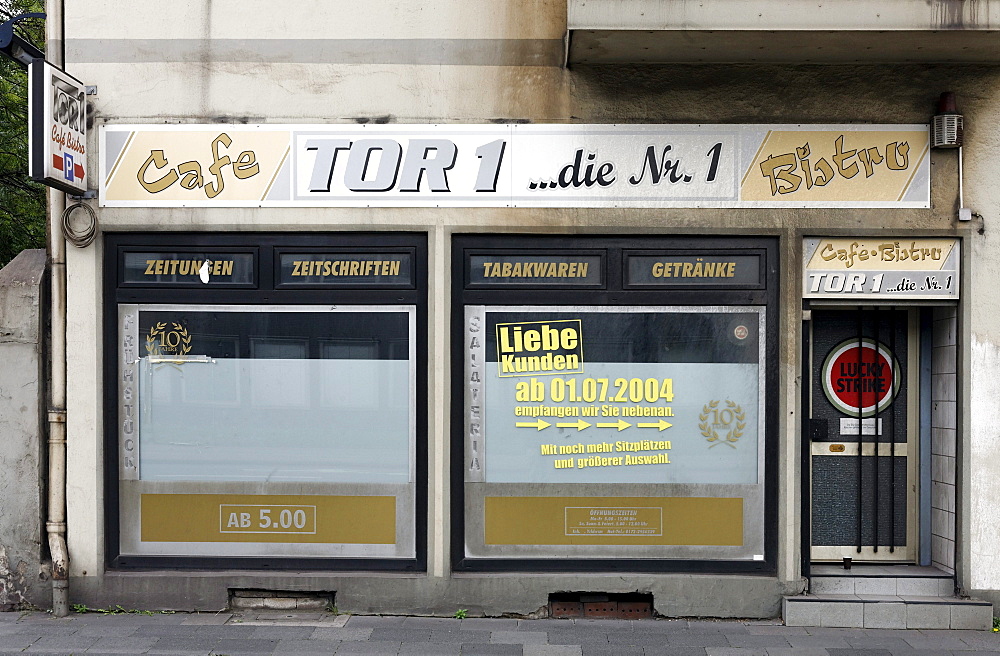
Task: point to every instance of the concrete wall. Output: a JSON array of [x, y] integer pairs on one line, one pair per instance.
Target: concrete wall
[[456, 61], [23, 574]]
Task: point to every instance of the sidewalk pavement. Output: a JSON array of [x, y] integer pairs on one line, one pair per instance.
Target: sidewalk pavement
[[252, 632]]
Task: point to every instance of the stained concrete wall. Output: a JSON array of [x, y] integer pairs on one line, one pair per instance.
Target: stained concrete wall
[[23, 574], [451, 62]]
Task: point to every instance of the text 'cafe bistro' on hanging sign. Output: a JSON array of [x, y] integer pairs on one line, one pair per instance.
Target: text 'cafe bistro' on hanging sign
[[515, 165], [892, 268]]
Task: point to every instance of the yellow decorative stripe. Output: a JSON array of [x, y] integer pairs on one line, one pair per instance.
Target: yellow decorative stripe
[[689, 521], [267, 518]]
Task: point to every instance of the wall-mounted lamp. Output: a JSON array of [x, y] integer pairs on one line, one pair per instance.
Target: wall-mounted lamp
[[948, 131], [14, 46], [948, 125]]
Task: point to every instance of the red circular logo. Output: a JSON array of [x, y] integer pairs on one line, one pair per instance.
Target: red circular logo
[[741, 332], [860, 377]]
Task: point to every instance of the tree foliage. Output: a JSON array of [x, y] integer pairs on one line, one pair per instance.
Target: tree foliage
[[22, 202]]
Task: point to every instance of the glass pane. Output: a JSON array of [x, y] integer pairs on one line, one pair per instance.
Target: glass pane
[[275, 396], [698, 372]]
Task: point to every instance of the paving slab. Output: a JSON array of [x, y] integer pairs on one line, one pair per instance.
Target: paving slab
[[674, 651], [245, 646], [364, 621], [472, 636], [206, 619], [487, 649], [346, 634], [552, 650], [591, 637], [489, 624], [175, 645], [759, 641], [519, 637], [18, 642], [798, 651], [61, 644], [122, 645], [430, 649], [735, 651], [398, 633], [377, 647], [306, 646], [608, 650]]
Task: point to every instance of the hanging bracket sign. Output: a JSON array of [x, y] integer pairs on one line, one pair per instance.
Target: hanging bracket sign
[[57, 133]]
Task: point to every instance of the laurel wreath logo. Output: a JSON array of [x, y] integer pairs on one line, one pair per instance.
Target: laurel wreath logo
[[157, 339], [710, 429]]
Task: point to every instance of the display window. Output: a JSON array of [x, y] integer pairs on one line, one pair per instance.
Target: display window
[[614, 405], [268, 403]]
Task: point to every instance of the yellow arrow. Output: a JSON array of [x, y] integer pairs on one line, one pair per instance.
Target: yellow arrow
[[540, 424], [578, 425], [621, 425], [660, 424]]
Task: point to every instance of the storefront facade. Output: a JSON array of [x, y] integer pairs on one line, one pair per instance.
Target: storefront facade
[[513, 329]]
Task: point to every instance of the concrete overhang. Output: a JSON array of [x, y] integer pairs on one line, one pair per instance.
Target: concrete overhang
[[783, 31]]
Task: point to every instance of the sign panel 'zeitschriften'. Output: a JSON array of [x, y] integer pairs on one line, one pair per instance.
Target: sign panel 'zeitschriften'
[[515, 165]]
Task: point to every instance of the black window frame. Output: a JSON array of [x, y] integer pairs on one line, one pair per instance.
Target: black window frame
[[266, 290], [614, 291]]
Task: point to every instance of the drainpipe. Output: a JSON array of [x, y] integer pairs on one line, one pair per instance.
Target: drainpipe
[[56, 524], [55, 527]]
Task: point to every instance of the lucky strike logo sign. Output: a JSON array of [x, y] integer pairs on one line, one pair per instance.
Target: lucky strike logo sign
[[861, 377]]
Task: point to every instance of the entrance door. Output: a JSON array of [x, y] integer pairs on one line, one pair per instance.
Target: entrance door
[[863, 430]]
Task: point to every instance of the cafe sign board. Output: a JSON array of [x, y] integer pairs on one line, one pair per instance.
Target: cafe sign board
[[515, 165], [894, 268], [57, 133]]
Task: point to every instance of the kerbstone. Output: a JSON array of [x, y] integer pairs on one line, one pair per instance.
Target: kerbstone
[[873, 586], [928, 616], [842, 614], [801, 613], [969, 616], [885, 616]]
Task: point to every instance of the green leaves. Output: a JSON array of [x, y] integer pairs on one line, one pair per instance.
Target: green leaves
[[22, 202]]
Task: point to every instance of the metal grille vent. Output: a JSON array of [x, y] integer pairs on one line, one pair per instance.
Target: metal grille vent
[[946, 131]]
